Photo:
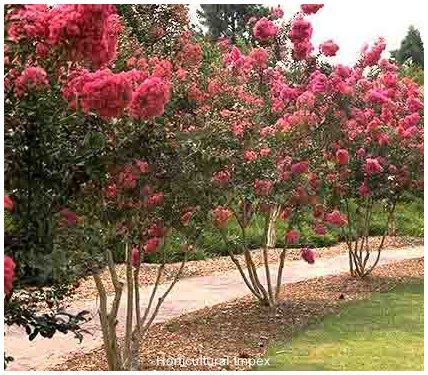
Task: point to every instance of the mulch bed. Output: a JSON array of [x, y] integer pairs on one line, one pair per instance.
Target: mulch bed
[[243, 329], [219, 265]]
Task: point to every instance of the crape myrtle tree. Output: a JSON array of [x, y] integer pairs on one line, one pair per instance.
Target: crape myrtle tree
[[378, 155], [187, 134], [277, 136], [23, 307], [118, 121], [264, 118]]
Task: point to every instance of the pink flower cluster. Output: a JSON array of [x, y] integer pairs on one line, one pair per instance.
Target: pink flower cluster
[[335, 218], [221, 216], [111, 94], [103, 92], [32, 78], [9, 274], [220, 178], [89, 32], [311, 8], [150, 98], [308, 255], [292, 236], [263, 188], [329, 48], [264, 29], [300, 35]]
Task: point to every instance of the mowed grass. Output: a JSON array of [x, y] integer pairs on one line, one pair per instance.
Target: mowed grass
[[383, 333]]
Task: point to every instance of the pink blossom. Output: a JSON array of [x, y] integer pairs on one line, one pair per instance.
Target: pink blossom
[[318, 82], [267, 131], [373, 166], [371, 57], [318, 210], [156, 230], [221, 215], [155, 200], [8, 203], [264, 29], [9, 274], [250, 155], [320, 229], [292, 236], [329, 48], [185, 218], [142, 166], [361, 153], [277, 12], [264, 151], [306, 100], [414, 104], [300, 167], [308, 255], [151, 245], [69, 217], [263, 187], [259, 57], [311, 8], [135, 257], [335, 218], [103, 92], [111, 191], [342, 156], [302, 50], [363, 189], [220, 178], [31, 78], [150, 98], [285, 213], [127, 178]]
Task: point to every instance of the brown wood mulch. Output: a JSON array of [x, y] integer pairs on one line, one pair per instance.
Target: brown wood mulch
[[243, 329], [218, 265]]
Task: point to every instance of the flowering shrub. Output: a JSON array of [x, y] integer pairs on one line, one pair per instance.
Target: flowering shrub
[[164, 135]]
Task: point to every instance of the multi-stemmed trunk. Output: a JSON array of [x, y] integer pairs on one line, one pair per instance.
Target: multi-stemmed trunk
[[266, 293], [362, 257], [126, 356]]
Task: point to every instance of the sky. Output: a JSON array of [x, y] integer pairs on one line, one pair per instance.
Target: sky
[[352, 23]]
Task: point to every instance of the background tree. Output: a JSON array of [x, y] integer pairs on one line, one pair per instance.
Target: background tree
[[155, 26], [411, 47], [229, 20]]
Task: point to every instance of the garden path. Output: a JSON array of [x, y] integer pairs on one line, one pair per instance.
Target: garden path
[[188, 295]]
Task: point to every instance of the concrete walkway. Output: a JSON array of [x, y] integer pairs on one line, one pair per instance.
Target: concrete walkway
[[189, 294]]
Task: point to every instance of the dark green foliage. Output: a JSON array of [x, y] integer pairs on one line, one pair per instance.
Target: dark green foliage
[[411, 47], [409, 221], [229, 20]]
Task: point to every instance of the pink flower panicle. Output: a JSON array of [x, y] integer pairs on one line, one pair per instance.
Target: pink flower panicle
[[292, 236], [32, 78], [150, 98], [311, 8], [263, 188], [9, 274], [329, 48], [335, 218], [221, 216], [264, 29], [308, 255]]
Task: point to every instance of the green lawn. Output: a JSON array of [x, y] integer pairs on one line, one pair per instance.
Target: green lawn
[[384, 333]]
